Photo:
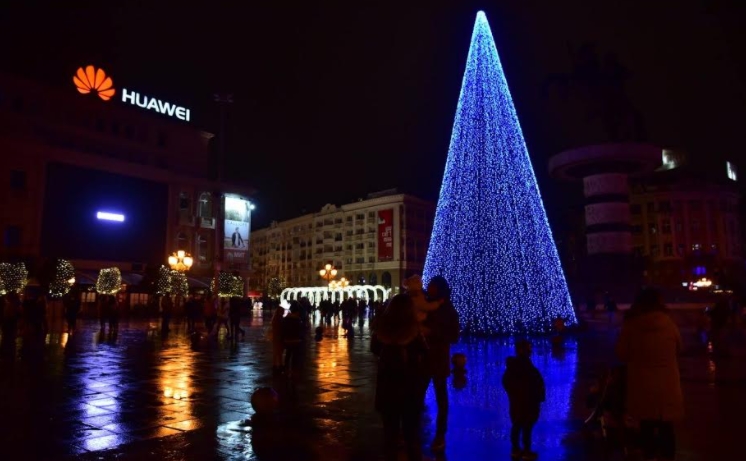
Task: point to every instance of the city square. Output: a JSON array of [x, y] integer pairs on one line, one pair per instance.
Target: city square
[[385, 234], [97, 398]]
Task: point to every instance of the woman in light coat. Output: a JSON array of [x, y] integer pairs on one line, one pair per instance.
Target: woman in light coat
[[649, 344]]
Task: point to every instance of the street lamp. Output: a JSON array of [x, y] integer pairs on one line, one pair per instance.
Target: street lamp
[[340, 284], [328, 273], [180, 261]]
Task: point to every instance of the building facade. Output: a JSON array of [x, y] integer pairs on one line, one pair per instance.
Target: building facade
[[68, 157], [656, 220], [686, 227], [377, 241]]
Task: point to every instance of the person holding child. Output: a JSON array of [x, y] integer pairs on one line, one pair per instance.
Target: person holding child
[[401, 381], [441, 328]]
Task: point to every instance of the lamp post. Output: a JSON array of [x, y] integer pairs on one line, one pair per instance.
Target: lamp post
[[340, 284], [328, 273], [180, 261]]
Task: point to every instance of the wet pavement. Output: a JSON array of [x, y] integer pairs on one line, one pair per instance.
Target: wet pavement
[[143, 396]]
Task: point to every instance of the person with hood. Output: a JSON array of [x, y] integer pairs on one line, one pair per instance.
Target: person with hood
[[649, 344], [441, 329], [402, 376], [526, 391]]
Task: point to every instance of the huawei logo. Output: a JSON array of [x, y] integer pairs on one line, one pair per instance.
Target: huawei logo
[[94, 80]]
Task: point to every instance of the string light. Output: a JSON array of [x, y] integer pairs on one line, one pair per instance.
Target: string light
[[229, 285], [179, 283], [13, 278], [163, 285], [64, 278], [109, 281], [491, 238], [171, 282]]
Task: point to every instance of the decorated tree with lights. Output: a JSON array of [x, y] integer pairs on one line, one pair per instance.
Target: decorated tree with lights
[[13, 277], [171, 282], [179, 284], [163, 282], [491, 239], [109, 281], [275, 285], [63, 278], [228, 285]]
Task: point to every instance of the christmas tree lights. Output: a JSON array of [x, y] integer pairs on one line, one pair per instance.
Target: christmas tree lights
[[179, 283], [163, 284], [109, 281], [171, 282], [491, 238], [229, 285], [13, 278], [64, 278]]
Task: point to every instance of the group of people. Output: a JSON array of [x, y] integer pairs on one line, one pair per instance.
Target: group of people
[[412, 339], [27, 314]]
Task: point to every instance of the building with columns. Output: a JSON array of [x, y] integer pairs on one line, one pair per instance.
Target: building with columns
[[377, 241]]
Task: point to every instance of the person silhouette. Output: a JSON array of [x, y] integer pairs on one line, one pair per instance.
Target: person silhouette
[[236, 239]]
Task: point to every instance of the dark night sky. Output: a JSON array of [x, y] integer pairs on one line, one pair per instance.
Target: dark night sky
[[333, 103]]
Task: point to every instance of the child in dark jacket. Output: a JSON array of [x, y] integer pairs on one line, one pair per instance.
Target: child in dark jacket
[[525, 388]]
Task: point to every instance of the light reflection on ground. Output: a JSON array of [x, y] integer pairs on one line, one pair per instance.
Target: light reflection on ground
[[140, 395]]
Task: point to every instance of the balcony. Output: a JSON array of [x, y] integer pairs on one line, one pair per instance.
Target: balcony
[[207, 223]]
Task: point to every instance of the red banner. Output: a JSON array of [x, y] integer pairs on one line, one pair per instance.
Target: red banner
[[385, 235]]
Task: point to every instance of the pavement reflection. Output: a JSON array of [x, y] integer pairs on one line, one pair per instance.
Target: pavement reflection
[[139, 395]]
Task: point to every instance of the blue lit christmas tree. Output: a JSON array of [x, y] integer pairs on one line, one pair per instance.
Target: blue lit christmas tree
[[491, 238]]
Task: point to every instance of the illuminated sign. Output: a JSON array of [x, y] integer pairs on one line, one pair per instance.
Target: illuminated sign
[[91, 80], [236, 229], [385, 235], [165, 108], [106, 216]]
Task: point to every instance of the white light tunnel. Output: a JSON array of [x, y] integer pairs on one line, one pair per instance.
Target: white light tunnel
[[317, 294]]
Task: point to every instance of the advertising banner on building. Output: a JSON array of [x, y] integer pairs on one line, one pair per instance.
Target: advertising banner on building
[[236, 229], [385, 235]]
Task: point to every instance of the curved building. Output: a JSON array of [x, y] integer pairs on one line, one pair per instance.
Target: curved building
[[605, 170], [650, 216]]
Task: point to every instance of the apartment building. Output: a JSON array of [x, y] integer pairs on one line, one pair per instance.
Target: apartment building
[[378, 241]]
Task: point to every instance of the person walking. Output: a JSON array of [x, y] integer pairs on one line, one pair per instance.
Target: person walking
[[191, 308], [71, 304], [234, 315], [649, 344], [292, 338], [441, 329], [401, 381]]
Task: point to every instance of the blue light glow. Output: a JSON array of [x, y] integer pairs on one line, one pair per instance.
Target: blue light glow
[[106, 216], [479, 420], [491, 238]]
